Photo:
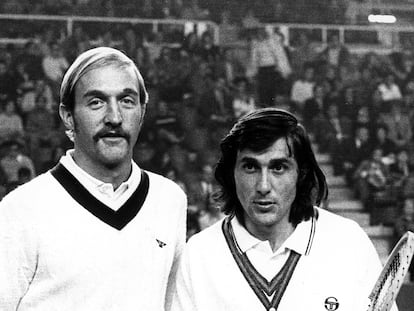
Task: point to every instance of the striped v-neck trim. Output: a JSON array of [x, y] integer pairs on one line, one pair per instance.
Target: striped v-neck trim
[[261, 287], [116, 219]]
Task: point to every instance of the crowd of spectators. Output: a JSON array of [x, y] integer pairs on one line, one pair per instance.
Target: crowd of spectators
[[358, 108], [296, 11]]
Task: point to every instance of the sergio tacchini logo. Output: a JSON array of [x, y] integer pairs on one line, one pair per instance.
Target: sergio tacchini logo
[[331, 304]]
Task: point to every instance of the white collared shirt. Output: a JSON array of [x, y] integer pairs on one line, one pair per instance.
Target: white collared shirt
[[103, 191], [260, 253], [338, 264]]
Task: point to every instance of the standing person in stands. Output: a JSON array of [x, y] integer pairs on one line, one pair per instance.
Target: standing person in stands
[[96, 232], [266, 61], [275, 249], [54, 66]]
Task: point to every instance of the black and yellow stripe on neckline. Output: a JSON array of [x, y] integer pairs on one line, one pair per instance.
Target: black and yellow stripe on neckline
[[260, 286]]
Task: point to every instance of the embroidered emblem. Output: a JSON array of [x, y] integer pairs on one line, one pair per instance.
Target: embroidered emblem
[[331, 304], [161, 244]]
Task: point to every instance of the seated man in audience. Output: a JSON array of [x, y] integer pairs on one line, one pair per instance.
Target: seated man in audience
[[331, 130], [14, 160], [354, 150], [371, 177], [399, 124], [11, 123]]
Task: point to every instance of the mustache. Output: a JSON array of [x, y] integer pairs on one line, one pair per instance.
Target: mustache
[[111, 132]]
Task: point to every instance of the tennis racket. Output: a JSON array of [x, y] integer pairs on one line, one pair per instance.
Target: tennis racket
[[392, 276]]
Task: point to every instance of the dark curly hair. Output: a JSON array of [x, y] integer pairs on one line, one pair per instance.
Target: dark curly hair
[[257, 131]]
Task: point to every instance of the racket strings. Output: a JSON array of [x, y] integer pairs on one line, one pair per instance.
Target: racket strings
[[392, 276], [386, 287]]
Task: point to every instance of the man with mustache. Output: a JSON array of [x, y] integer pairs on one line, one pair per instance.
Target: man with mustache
[[96, 232], [276, 250]]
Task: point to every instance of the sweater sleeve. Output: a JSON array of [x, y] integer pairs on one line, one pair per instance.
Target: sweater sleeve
[[17, 256], [181, 236], [183, 295]]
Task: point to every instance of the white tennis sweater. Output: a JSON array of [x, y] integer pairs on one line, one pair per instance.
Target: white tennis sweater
[[55, 254], [336, 271]]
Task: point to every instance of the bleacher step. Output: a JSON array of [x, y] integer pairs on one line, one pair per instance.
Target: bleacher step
[[379, 231], [363, 219], [335, 181], [323, 158], [340, 194], [342, 206]]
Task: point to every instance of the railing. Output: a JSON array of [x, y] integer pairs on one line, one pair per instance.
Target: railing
[[17, 29], [373, 37]]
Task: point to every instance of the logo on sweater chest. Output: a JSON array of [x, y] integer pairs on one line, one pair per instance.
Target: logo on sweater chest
[[331, 304], [161, 244]]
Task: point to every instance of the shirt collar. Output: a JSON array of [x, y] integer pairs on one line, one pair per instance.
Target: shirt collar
[[92, 183], [299, 241]]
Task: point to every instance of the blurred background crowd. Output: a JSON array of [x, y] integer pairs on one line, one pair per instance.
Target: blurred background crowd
[[318, 11], [358, 108]]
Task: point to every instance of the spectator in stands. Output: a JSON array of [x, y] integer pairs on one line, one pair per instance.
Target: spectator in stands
[[106, 38], [133, 45], [330, 132], [169, 75], [314, 108], [200, 78], [243, 99], [335, 54], [210, 213], [302, 89], [398, 124], [349, 75], [11, 123], [167, 128], [390, 91], [405, 223], [215, 108], [54, 66], [14, 160], [382, 141], [266, 63], [228, 66], [208, 50], [22, 79], [145, 154], [27, 101], [192, 10], [400, 171], [348, 106], [7, 83], [354, 150], [40, 126], [372, 61], [154, 46], [191, 44], [249, 20], [305, 53], [363, 118], [282, 53], [24, 175], [365, 88], [31, 58], [45, 39], [376, 106], [370, 177], [75, 43]]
